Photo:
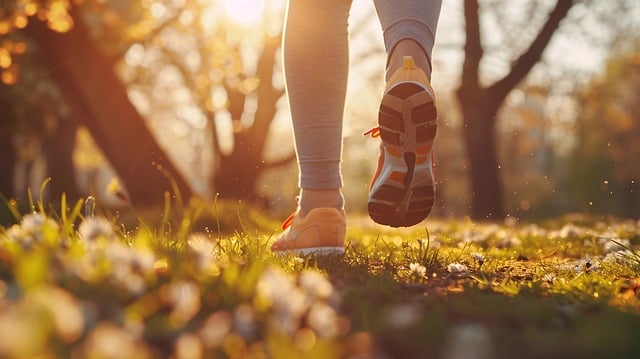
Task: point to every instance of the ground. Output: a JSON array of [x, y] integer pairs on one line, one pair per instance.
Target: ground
[[78, 284]]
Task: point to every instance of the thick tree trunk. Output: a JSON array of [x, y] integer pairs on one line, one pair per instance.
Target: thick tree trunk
[[479, 105], [7, 158], [484, 175], [58, 150], [89, 79]]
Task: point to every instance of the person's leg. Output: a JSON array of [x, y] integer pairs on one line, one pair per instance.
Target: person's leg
[[316, 62], [402, 190], [409, 28]]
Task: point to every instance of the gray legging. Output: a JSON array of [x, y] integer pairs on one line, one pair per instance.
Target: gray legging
[[316, 62]]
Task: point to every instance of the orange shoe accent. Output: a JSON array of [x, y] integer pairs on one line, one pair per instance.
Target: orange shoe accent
[[395, 152], [422, 160], [397, 176], [423, 150], [321, 231]]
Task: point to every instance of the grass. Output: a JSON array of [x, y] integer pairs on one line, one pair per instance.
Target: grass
[[188, 285]]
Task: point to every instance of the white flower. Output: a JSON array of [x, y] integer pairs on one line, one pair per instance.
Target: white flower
[[288, 302], [93, 228], [403, 316], [509, 242], [33, 229], [243, 320], [130, 267], [458, 269], [107, 340], [203, 248], [323, 320], [33, 222], [315, 285], [620, 257], [615, 245], [418, 269], [478, 257], [215, 328], [188, 346], [570, 230], [586, 266], [548, 278], [184, 297]]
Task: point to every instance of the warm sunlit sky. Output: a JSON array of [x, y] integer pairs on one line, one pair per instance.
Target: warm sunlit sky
[[244, 12]]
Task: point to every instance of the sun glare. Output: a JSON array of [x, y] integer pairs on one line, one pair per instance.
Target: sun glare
[[244, 12]]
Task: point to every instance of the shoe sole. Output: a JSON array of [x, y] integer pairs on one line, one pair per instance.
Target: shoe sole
[[404, 193]]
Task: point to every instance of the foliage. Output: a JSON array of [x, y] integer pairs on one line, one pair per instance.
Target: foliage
[[610, 127], [563, 289]]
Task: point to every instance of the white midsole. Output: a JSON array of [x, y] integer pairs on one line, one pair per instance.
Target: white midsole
[[314, 251]]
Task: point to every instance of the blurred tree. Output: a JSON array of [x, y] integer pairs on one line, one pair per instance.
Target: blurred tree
[[82, 59], [97, 96], [232, 81], [515, 36], [607, 169], [480, 103], [7, 151]]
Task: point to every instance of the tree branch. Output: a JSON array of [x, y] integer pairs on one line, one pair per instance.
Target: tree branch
[[473, 46], [529, 58]]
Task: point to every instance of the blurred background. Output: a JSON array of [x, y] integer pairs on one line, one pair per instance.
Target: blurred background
[[539, 104]]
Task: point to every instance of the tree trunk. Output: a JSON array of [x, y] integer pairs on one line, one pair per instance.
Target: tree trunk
[[240, 170], [479, 105], [484, 175], [58, 150], [88, 78], [7, 158]]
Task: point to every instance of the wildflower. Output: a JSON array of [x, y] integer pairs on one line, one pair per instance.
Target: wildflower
[[621, 257], [479, 257], [130, 267], [570, 230], [458, 269], [549, 278], [215, 328], [315, 285], [202, 247], [323, 320], [586, 266], [507, 241], [615, 245], [33, 228], [107, 340], [64, 308], [403, 316], [93, 228], [473, 236], [287, 301], [243, 320], [188, 346], [418, 270], [469, 340], [184, 297]]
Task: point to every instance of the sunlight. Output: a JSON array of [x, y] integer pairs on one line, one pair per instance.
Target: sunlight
[[244, 12]]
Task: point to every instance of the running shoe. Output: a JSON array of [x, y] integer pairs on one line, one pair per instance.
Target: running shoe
[[402, 190], [321, 231]]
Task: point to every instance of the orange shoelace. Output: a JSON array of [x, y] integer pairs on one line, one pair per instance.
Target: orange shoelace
[[374, 132], [287, 222]]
